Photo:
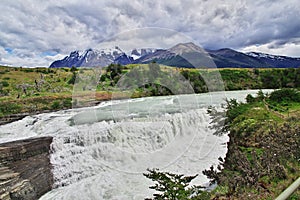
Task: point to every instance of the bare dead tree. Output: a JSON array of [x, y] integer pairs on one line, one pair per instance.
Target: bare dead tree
[[24, 87]]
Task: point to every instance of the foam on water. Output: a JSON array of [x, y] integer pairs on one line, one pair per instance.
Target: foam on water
[[102, 152]]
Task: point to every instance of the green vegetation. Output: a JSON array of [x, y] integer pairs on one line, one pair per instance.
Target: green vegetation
[[263, 151], [28, 90], [35, 89], [174, 186], [240, 79], [285, 96]]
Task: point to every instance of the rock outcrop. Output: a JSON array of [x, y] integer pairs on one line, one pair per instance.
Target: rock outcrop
[[25, 170]]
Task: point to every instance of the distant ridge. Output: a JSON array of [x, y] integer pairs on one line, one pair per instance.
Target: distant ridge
[[186, 55]]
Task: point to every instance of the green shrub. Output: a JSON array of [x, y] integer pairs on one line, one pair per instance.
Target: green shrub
[[72, 79], [65, 69], [50, 71], [4, 83], [285, 95], [9, 108], [55, 105], [67, 103], [250, 98], [73, 69], [28, 70]]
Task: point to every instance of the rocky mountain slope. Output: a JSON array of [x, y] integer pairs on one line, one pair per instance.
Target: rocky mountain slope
[[186, 55]]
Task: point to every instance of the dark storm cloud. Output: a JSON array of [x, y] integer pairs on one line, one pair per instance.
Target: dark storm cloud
[[62, 26]]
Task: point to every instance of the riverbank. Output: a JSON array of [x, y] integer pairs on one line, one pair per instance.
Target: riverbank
[[34, 106], [25, 91], [81, 152], [263, 150], [76, 147]]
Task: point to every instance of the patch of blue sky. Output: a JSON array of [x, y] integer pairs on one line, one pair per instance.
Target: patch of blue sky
[[8, 50], [49, 53]]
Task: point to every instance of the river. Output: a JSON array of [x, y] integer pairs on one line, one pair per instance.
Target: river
[[101, 152]]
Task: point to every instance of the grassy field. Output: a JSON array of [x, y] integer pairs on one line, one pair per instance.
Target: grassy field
[[28, 90]]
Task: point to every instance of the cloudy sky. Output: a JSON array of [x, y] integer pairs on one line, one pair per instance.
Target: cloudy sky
[[35, 33]]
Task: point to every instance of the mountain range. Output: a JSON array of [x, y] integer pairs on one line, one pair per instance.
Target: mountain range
[[186, 55]]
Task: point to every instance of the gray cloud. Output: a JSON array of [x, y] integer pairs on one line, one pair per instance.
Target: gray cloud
[[34, 27]]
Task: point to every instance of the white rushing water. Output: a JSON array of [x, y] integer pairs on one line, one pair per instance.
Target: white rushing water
[[102, 152]]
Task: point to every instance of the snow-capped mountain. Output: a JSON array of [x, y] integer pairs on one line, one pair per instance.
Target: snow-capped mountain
[[275, 60], [137, 53], [186, 55], [92, 58], [264, 55], [181, 55]]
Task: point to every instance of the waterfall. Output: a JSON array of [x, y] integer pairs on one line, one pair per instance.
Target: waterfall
[[101, 152]]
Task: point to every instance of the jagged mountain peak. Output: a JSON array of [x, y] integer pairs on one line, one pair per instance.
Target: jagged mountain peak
[[140, 52], [135, 52], [93, 57], [185, 48], [180, 55], [74, 53]]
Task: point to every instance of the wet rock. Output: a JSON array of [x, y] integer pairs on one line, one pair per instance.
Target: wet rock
[[25, 169]]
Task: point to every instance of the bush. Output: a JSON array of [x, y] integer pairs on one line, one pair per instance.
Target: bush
[[28, 70], [114, 70], [4, 92], [64, 69], [285, 95], [250, 98], [55, 105], [72, 79], [67, 103], [50, 71], [9, 108], [4, 83], [73, 69], [103, 77]]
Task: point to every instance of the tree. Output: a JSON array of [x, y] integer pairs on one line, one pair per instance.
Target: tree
[[250, 98], [73, 69], [114, 70], [72, 79], [173, 186], [260, 95], [24, 87]]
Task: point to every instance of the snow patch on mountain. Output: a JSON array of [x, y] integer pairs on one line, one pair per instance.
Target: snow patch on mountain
[[264, 55], [93, 58], [181, 55], [138, 53]]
